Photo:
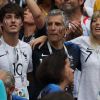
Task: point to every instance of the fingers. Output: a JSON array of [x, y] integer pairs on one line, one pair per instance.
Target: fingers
[[39, 40], [75, 27], [40, 45], [32, 43]]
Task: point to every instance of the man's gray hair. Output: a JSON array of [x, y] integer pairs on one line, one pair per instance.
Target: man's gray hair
[[57, 12], [9, 79]]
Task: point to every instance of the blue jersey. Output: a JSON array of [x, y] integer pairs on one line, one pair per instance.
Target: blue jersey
[[50, 88], [3, 95], [15, 97]]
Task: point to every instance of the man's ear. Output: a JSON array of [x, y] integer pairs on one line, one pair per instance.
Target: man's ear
[[64, 32], [81, 2], [21, 23]]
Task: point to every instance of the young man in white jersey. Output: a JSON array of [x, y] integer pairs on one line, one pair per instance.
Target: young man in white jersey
[[15, 55]]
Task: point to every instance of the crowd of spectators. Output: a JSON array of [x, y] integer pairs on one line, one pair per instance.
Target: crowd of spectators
[[50, 49]]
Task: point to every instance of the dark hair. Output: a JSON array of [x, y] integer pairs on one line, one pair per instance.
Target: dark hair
[[51, 70], [96, 14], [42, 1], [11, 8], [57, 96]]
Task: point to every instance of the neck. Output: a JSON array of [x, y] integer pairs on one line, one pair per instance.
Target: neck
[[77, 15], [56, 45], [94, 41], [63, 85], [9, 97], [29, 30], [11, 39]]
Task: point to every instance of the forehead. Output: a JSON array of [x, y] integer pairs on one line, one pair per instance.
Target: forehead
[[55, 18], [10, 14]]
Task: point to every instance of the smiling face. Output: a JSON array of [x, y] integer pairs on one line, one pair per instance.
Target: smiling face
[[11, 23], [95, 25], [55, 28], [71, 5]]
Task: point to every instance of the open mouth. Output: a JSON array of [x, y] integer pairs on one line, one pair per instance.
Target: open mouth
[[97, 28], [13, 26]]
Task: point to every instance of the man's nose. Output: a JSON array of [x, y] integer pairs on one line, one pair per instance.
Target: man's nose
[[53, 26], [13, 19]]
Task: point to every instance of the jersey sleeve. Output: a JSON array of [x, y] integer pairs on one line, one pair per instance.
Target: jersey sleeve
[[74, 52]]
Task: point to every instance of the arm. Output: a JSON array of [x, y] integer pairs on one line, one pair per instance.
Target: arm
[[40, 40], [37, 13]]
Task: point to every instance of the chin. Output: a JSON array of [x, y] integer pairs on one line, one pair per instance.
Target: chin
[[97, 36], [53, 41], [13, 32]]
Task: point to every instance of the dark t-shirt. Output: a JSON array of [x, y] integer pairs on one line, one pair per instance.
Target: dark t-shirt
[[39, 54], [38, 33], [73, 51]]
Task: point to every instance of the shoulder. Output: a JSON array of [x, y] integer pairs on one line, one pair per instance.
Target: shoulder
[[80, 40], [15, 97], [24, 45], [54, 87], [71, 45], [43, 48], [50, 88]]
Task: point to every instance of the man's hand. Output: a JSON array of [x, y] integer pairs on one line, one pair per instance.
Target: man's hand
[[40, 40]]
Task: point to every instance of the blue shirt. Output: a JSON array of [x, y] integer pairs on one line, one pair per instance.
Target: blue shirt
[[3, 95], [50, 88], [15, 97]]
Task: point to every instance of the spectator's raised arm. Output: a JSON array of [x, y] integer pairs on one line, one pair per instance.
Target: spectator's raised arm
[[37, 13]]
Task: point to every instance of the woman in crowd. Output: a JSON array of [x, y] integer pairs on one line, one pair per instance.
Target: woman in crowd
[[89, 88], [54, 73]]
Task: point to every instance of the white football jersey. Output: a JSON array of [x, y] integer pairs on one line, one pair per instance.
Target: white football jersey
[[85, 23], [17, 60], [89, 87]]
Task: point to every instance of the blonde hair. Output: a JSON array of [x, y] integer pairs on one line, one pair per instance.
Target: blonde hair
[[93, 40]]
